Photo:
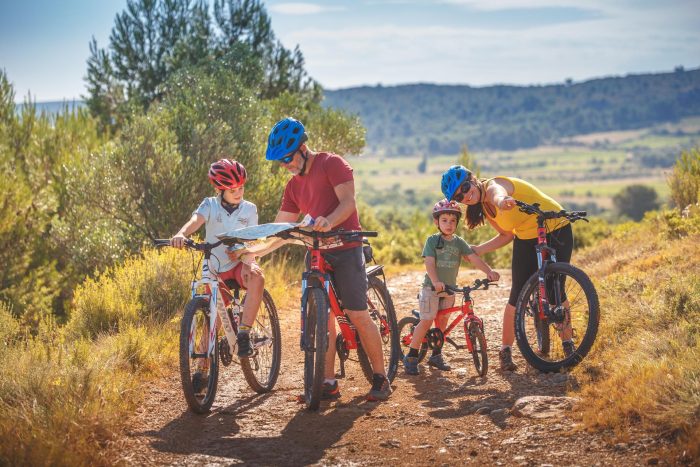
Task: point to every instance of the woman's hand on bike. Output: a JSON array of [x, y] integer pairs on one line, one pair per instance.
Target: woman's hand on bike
[[506, 203], [493, 276], [178, 241]]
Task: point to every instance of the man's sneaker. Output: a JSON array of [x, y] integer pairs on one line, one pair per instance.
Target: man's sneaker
[[569, 348], [436, 361], [330, 391], [244, 347], [506, 359], [199, 382], [410, 364], [381, 389]]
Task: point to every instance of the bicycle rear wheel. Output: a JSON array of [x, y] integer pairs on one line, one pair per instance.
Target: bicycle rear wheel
[[475, 334], [199, 373], [381, 310], [406, 326], [315, 345], [262, 368], [573, 298]]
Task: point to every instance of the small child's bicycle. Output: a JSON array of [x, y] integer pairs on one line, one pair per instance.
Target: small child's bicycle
[[214, 305], [435, 338]]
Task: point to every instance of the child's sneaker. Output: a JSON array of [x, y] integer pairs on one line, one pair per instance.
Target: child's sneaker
[[506, 358], [330, 391], [436, 361], [410, 365], [381, 389]]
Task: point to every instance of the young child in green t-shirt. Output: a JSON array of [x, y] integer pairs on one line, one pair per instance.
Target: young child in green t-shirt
[[443, 253]]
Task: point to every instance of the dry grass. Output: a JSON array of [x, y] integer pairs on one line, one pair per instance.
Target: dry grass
[[645, 367]]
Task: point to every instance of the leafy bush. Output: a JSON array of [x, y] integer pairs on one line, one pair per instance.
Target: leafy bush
[[684, 181]]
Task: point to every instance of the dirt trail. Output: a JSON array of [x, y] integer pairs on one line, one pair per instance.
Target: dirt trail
[[449, 418]]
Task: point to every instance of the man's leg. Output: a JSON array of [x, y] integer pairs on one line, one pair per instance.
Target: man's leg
[[371, 340]]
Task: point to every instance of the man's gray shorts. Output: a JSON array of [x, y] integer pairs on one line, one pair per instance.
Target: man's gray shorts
[[349, 276]]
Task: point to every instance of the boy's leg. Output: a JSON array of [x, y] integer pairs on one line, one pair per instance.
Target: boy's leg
[[253, 280]]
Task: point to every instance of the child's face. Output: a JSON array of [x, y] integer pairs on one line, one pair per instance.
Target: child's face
[[447, 223], [235, 195]]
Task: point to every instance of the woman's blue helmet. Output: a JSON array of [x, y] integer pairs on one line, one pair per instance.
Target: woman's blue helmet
[[286, 136], [453, 178]]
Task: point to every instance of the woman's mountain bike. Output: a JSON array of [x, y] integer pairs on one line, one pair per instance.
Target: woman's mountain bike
[[214, 305], [319, 297], [474, 335], [557, 312]]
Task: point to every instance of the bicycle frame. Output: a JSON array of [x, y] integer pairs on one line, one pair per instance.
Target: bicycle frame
[[466, 312], [545, 255]]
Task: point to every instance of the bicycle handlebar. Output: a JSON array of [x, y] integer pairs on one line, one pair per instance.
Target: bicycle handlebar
[[161, 242], [334, 233], [479, 284], [534, 208]]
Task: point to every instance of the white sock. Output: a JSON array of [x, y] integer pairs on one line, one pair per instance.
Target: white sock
[[330, 381]]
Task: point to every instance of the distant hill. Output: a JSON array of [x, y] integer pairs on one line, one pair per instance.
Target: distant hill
[[438, 119], [53, 107]]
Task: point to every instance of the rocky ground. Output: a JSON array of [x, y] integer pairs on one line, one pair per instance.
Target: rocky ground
[[451, 418]]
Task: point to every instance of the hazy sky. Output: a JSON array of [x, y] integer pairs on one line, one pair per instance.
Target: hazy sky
[[44, 43]]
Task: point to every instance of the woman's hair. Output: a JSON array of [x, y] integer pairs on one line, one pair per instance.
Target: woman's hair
[[475, 212]]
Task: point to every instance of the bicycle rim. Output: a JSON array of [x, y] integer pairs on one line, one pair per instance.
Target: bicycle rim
[[479, 355], [199, 375], [262, 369], [570, 290], [381, 310], [316, 344]]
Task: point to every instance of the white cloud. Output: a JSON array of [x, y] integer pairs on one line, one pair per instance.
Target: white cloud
[[302, 8]]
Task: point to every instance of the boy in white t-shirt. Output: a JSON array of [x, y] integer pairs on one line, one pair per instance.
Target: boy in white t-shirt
[[221, 213]]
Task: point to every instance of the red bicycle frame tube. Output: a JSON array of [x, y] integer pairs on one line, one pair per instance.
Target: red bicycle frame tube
[[466, 311]]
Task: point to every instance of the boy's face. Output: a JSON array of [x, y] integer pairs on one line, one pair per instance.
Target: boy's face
[[447, 223], [235, 195]]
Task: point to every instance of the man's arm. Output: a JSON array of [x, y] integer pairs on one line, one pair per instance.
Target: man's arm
[[284, 216], [346, 195]]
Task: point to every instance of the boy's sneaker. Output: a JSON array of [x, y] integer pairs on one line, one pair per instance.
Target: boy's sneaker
[[506, 359], [244, 347], [381, 389], [330, 391], [569, 348], [436, 361], [410, 365]]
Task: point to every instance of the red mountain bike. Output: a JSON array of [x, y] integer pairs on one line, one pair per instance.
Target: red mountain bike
[[559, 299], [435, 338], [319, 297]]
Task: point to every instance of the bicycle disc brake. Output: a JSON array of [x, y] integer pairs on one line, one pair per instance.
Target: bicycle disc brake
[[225, 351], [435, 338]]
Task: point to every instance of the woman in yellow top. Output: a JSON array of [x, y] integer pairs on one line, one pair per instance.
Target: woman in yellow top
[[493, 200]]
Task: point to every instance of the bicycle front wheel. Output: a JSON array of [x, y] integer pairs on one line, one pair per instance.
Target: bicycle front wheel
[[262, 368], [199, 372], [475, 334], [315, 345], [381, 310], [563, 340]]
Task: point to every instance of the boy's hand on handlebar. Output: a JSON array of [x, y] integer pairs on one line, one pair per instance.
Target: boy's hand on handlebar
[[178, 241], [439, 286], [321, 224], [493, 276]]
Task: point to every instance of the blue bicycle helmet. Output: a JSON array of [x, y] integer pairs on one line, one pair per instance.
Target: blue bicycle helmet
[[286, 136], [453, 178]]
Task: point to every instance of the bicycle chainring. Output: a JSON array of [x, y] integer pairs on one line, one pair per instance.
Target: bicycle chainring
[[435, 338], [225, 351]]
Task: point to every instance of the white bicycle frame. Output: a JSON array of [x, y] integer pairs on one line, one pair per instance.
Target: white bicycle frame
[[216, 308]]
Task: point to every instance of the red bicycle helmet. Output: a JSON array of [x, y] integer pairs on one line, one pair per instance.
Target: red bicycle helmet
[[444, 206], [226, 174]]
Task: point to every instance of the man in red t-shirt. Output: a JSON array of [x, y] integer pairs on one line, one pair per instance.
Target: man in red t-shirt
[[323, 187]]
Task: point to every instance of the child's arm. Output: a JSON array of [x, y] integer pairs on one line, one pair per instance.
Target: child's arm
[[190, 227], [482, 266], [431, 269]]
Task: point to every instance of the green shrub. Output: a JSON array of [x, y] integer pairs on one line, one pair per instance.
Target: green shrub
[[684, 181]]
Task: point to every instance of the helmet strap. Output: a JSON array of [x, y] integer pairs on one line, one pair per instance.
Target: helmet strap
[[305, 156]]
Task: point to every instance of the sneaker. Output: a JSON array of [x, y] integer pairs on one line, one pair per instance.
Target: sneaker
[[244, 347], [199, 382], [410, 364], [569, 348], [381, 389], [436, 361], [506, 359], [330, 391]]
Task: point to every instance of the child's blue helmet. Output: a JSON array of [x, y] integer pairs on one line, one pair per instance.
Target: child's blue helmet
[[286, 136], [453, 178]]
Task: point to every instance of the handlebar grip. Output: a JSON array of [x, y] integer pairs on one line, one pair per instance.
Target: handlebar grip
[[161, 242]]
